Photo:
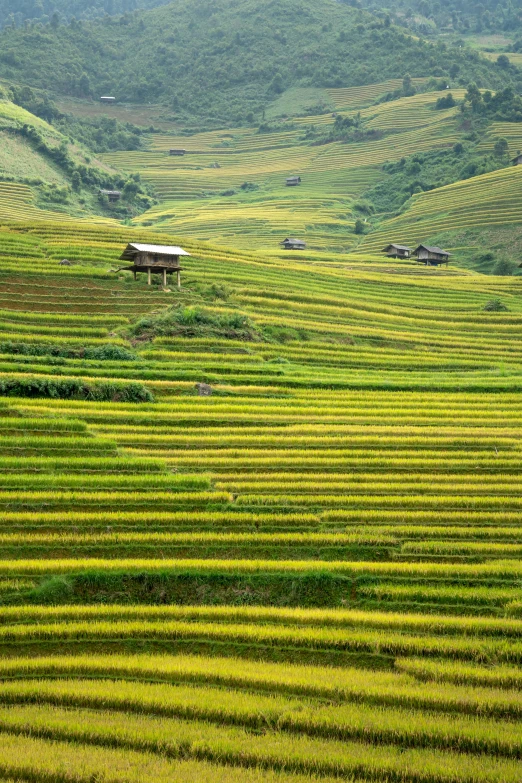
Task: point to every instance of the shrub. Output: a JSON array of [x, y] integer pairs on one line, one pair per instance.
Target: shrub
[[495, 306], [195, 322], [74, 389], [103, 352]]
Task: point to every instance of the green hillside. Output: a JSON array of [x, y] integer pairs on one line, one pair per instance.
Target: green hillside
[[227, 60], [14, 12], [457, 16], [56, 171]]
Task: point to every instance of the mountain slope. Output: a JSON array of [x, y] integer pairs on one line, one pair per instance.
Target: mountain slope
[[14, 12], [54, 172], [227, 58]]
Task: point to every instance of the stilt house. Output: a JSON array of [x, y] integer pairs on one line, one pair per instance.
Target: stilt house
[[431, 256], [293, 244], [112, 195], [154, 258], [292, 181], [397, 251]]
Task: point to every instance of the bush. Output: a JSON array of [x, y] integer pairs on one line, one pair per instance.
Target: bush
[[495, 306], [195, 322], [504, 267], [446, 102], [102, 352], [74, 389]]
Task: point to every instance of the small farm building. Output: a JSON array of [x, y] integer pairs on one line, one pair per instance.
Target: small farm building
[[517, 161], [397, 251], [154, 258], [431, 256], [108, 99], [177, 152], [293, 244], [291, 181], [112, 195]]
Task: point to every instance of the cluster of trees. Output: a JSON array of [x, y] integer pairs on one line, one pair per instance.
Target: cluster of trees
[[505, 105], [221, 62], [462, 16]]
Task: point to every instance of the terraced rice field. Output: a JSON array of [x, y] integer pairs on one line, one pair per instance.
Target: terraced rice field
[[312, 575], [259, 215], [491, 200]]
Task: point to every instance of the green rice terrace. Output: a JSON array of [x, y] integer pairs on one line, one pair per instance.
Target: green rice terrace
[[312, 573]]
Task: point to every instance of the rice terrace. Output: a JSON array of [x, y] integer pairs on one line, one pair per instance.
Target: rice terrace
[[260, 391]]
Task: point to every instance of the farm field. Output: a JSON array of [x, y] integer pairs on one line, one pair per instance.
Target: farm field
[[229, 188], [490, 200], [312, 574]]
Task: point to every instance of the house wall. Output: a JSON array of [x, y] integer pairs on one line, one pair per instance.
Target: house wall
[[148, 259]]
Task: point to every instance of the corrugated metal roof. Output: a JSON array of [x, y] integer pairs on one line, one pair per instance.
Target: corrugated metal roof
[[164, 250]]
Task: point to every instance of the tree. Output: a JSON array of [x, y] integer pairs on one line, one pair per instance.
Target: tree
[[85, 85], [407, 86], [130, 190], [76, 181], [55, 21], [501, 148], [503, 62], [454, 70], [359, 226]]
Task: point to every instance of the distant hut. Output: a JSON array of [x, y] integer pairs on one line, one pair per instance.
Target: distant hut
[[107, 99], [154, 258], [431, 256], [292, 181], [517, 161], [397, 251], [112, 195], [293, 244], [177, 152]]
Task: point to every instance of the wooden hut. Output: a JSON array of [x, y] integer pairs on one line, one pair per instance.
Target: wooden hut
[[517, 160], [397, 251], [292, 181], [431, 256], [293, 244], [107, 99], [154, 258], [177, 152], [112, 195]]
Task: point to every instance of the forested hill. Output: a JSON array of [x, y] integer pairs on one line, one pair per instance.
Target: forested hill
[[462, 16], [18, 11], [228, 58]]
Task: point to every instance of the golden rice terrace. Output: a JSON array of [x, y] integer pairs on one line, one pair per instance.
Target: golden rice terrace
[[312, 573]]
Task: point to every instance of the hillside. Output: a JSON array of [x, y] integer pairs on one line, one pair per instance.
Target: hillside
[[227, 60], [311, 575], [45, 11], [57, 172], [457, 16]]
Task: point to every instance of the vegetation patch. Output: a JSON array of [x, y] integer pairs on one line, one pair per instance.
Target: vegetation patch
[[195, 322], [74, 389]]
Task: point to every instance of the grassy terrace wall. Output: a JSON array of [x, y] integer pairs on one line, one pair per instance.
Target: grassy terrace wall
[[313, 574]]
